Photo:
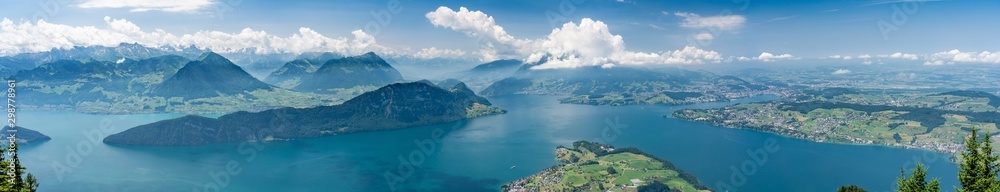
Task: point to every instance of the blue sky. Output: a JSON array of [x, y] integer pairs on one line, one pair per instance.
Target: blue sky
[[748, 29]]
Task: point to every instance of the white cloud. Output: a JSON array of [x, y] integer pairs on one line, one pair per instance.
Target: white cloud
[[841, 72], [721, 22], [956, 56], [43, 36], [589, 43], [768, 57], [148, 5], [703, 36], [899, 55], [940, 58], [433, 52]]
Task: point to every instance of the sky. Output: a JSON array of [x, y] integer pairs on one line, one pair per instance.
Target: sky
[[572, 33]]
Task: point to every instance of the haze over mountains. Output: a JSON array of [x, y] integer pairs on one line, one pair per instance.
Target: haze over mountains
[[483, 75], [131, 78], [624, 85], [364, 70]]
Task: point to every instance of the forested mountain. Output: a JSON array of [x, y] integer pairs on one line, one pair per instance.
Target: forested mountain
[[393, 106]]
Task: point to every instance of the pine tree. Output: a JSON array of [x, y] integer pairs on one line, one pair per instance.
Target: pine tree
[[916, 181], [978, 170], [21, 182], [852, 188]]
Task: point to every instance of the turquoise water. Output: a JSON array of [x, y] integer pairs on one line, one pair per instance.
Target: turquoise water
[[473, 155]]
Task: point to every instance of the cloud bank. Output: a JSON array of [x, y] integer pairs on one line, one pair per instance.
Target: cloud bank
[[940, 58], [589, 43], [956, 56], [43, 36]]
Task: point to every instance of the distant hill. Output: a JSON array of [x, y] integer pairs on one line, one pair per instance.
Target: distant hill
[[993, 99], [393, 106], [448, 83], [497, 65], [171, 84], [290, 75], [623, 85], [24, 135], [132, 51], [363, 70], [69, 82], [590, 166], [210, 75], [483, 75], [10, 65]]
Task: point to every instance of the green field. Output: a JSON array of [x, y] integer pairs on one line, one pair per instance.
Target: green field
[[595, 167], [931, 121]]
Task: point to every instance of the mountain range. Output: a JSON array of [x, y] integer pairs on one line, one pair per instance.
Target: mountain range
[[68, 82], [393, 106], [483, 75], [623, 85], [291, 73], [363, 70]]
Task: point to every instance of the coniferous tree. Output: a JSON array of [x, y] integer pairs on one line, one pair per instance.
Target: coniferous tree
[[852, 188], [916, 181], [21, 182], [978, 170]]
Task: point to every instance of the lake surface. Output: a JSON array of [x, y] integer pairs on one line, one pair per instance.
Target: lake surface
[[471, 155]]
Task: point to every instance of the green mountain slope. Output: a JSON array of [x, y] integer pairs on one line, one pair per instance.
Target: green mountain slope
[[69, 82], [364, 70], [391, 107], [211, 75], [592, 166], [24, 135]]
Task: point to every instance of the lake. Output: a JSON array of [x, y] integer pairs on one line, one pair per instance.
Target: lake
[[472, 155]]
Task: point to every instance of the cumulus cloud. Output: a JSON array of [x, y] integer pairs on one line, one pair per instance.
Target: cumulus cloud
[[148, 5], [899, 55], [589, 43], [43, 36], [956, 56], [433, 52], [768, 57], [721, 22], [841, 72]]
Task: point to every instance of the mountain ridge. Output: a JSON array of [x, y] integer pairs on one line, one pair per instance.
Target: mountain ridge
[[394, 106]]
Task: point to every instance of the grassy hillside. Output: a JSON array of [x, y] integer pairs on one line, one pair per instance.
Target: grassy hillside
[[592, 166]]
